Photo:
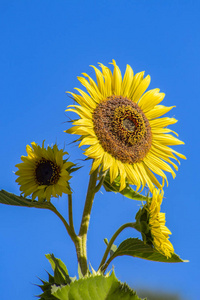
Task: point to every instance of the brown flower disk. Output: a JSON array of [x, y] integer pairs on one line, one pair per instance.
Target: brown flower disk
[[122, 129], [46, 172]]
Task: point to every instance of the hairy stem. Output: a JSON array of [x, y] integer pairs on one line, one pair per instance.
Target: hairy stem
[[81, 246]]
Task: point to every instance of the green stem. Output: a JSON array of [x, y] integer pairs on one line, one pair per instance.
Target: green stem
[[102, 265], [81, 247], [68, 228], [70, 212]]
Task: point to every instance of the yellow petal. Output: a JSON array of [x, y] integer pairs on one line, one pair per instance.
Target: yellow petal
[[93, 84], [150, 99], [94, 151], [153, 178], [117, 79], [157, 111], [136, 81], [80, 110], [87, 99], [127, 81], [132, 176], [88, 141], [97, 97], [162, 122], [141, 88], [96, 164], [113, 170], [108, 80], [84, 122], [160, 163], [122, 175], [100, 80], [167, 139], [107, 161], [82, 101]]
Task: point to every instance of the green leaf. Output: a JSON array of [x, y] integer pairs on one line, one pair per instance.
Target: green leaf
[[95, 288], [137, 248], [127, 191], [12, 199], [61, 275]]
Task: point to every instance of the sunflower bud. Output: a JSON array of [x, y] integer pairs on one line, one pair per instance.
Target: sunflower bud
[[151, 223]]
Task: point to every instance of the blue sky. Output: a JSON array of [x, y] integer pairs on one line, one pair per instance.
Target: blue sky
[[44, 46]]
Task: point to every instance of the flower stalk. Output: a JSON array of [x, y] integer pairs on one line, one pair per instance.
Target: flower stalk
[[70, 231], [70, 213], [81, 244], [102, 265]]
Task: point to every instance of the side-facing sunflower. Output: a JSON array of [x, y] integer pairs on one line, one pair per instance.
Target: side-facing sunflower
[[121, 125], [151, 223], [43, 172]]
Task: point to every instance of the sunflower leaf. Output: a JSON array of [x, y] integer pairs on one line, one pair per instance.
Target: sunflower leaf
[[97, 287], [137, 248], [127, 191], [12, 199]]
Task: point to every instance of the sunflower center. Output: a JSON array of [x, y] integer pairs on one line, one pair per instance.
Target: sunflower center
[[47, 172], [122, 129], [129, 125]]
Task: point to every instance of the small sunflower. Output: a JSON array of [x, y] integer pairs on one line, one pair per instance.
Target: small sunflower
[[151, 223], [121, 125], [43, 172]]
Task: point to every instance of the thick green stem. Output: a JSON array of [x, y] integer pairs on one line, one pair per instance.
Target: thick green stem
[[102, 265], [81, 246]]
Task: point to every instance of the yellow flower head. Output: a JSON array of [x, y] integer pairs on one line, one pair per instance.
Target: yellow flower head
[[120, 123], [151, 223], [43, 172]]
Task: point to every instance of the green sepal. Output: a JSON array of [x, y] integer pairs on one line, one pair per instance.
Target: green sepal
[[113, 247], [137, 248], [97, 287], [72, 167], [127, 191], [46, 288], [61, 275]]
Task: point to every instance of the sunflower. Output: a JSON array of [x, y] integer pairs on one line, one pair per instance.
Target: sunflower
[[43, 172], [119, 121], [151, 223]]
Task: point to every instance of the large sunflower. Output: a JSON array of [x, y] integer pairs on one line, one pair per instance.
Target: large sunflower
[[151, 223], [43, 172], [120, 123]]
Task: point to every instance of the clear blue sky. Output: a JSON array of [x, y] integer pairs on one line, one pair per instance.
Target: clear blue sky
[[44, 46]]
